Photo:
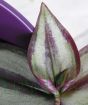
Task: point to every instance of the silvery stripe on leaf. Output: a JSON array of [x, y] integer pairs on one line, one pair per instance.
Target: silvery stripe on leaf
[[51, 49]]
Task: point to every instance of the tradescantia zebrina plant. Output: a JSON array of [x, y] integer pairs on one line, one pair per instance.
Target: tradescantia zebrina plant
[[53, 57]]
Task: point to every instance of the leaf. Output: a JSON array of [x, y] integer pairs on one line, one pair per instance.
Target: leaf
[[84, 61], [77, 97], [60, 78], [52, 50], [14, 66], [82, 78], [12, 94]]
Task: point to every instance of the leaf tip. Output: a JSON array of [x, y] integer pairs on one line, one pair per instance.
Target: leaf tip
[[43, 7]]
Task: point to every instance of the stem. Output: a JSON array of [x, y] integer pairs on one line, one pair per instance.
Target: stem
[[57, 99]]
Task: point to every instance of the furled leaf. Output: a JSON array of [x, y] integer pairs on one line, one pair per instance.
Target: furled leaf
[[52, 51], [60, 78]]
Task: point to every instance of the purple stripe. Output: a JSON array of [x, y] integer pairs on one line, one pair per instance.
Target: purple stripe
[[51, 46], [76, 84], [67, 36], [69, 39], [47, 85], [48, 47]]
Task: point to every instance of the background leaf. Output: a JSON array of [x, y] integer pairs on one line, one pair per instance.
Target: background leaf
[[77, 97], [82, 78], [14, 61], [84, 61], [12, 94]]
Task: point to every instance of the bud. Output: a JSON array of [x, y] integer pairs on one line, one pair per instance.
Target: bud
[[52, 53]]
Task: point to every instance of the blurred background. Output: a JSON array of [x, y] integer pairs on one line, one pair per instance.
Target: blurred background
[[73, 14]]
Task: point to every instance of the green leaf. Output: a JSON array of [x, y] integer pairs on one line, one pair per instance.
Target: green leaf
[[77, 97], [14, 66], [60, 78], [12, 94]]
